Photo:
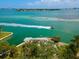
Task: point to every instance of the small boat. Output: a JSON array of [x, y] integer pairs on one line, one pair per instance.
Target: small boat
[[52, 27]]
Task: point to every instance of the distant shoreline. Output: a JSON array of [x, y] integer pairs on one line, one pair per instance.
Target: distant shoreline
[[39, 9], [45, 9], [22, 10]]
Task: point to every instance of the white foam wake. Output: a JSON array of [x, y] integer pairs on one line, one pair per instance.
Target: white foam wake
[[23, 25]]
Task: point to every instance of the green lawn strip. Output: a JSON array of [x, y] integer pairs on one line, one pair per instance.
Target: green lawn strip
[[4, 35]]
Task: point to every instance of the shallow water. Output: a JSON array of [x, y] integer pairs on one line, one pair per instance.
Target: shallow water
[[65, 29]]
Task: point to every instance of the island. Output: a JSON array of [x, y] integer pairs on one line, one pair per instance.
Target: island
[[24, 10]]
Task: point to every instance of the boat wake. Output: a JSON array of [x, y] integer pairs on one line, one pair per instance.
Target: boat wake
[[27, 26]]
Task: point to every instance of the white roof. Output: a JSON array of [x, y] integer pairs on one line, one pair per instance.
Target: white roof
[[30, 38]]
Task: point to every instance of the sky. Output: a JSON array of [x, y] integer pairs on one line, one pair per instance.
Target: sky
[[53, 4]]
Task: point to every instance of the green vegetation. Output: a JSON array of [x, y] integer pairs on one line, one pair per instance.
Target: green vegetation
[[7, 51], [74, 46], [45, 50], [4, 34], [40, 49], [4, 47], [1, 28]]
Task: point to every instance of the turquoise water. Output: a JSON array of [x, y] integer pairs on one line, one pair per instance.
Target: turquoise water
[[65, 29]]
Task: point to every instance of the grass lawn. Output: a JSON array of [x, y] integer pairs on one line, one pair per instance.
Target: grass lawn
[[4, 35]]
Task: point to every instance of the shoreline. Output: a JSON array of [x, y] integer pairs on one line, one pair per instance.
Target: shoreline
[[39, 39]]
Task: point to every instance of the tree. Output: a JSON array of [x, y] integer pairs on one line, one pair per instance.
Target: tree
[[4, 47], [13, 53], [74, 45]]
